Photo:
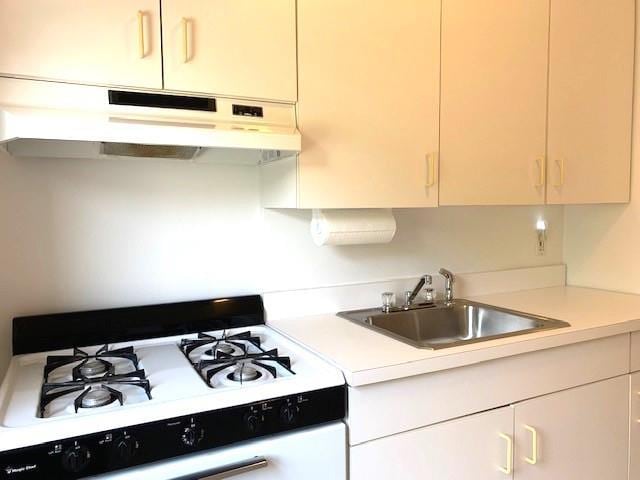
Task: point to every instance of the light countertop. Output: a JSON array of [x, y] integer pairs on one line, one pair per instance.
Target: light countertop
[[366, 356]]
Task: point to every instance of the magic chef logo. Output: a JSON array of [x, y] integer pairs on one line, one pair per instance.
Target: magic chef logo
[[23, 469]]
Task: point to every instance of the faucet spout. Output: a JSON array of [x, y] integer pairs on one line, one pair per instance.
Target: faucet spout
[[449, 279], [424, 280]]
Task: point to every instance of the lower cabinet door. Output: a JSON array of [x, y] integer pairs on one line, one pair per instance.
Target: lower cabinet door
[[477, 447], [634, 450], [581, 433]]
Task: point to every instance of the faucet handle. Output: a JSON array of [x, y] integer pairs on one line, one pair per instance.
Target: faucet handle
[[428, 279], [387, 301], [407, 299], [429, 295]]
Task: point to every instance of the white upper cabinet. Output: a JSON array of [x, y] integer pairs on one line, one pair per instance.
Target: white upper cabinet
[[494, 94], [114, 42], [415, 103], [590, 100], [369, 76], [242, 48]]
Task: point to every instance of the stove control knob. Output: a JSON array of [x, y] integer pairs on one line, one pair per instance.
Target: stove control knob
[[289, 413], [192, 435], [126, 448], [252, 422], [76, 459]]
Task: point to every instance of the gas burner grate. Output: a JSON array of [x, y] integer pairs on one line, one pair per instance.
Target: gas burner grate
[[96, 392], [203, 340], [244, 372], [90, 366]]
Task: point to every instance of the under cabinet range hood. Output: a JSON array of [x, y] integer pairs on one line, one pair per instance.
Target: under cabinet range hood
[[98, 122]]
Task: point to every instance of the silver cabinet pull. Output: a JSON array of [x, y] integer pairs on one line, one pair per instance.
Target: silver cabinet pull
[[228, 471]]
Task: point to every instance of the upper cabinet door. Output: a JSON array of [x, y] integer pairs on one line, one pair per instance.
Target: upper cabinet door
[[494, 95], [241, 48], [369, 79], [590, 100], [114, 42]]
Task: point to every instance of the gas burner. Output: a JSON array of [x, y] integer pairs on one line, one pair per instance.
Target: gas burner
[[99, 396], [88, 366], [244, 373], [94, 367], [96, 392], [233, 360], [222, 348], [237, 344]]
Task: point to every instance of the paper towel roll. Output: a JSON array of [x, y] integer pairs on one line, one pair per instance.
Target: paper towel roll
[[352, 227]]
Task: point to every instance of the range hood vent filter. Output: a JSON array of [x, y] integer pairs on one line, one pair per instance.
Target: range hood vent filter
[[148, 151]]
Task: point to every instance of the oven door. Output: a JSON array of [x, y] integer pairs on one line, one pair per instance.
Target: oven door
[[317, 453]]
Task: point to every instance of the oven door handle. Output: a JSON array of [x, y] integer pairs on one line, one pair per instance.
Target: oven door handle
[[228, 471]]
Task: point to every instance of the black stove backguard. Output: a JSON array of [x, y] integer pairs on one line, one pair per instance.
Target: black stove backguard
[[43, 333]]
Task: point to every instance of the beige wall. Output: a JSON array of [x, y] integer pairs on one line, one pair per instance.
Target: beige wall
[[602, 242], [79, 234]]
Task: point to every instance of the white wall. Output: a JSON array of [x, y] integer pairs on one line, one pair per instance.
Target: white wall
[[80, 234], [602, 242]]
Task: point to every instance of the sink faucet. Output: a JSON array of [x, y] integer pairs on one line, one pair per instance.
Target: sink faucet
[[411, 296], [449, 279]]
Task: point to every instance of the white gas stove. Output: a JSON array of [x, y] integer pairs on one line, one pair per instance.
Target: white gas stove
[[119, 408]]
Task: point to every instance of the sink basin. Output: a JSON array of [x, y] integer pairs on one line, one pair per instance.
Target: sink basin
[[443, 325]]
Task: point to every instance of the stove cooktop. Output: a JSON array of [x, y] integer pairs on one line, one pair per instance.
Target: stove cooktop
[[75, 391]]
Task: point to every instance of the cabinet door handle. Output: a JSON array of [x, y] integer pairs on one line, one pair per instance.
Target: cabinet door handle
[[560, 164], [534, 446], [541, 164], [431, 169], [508, 468], [141, 46], [185, 40]]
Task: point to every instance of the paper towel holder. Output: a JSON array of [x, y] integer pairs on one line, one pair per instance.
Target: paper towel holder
[[341, 227]]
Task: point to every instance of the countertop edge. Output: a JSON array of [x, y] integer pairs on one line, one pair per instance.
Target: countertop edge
[[420, 367], [472, 354]]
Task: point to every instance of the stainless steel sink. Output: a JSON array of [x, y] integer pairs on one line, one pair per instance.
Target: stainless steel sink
[[448, 325]]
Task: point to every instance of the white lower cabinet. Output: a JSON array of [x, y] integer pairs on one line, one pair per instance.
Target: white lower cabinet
[[634, 449], [580, 433], [473, 447]]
